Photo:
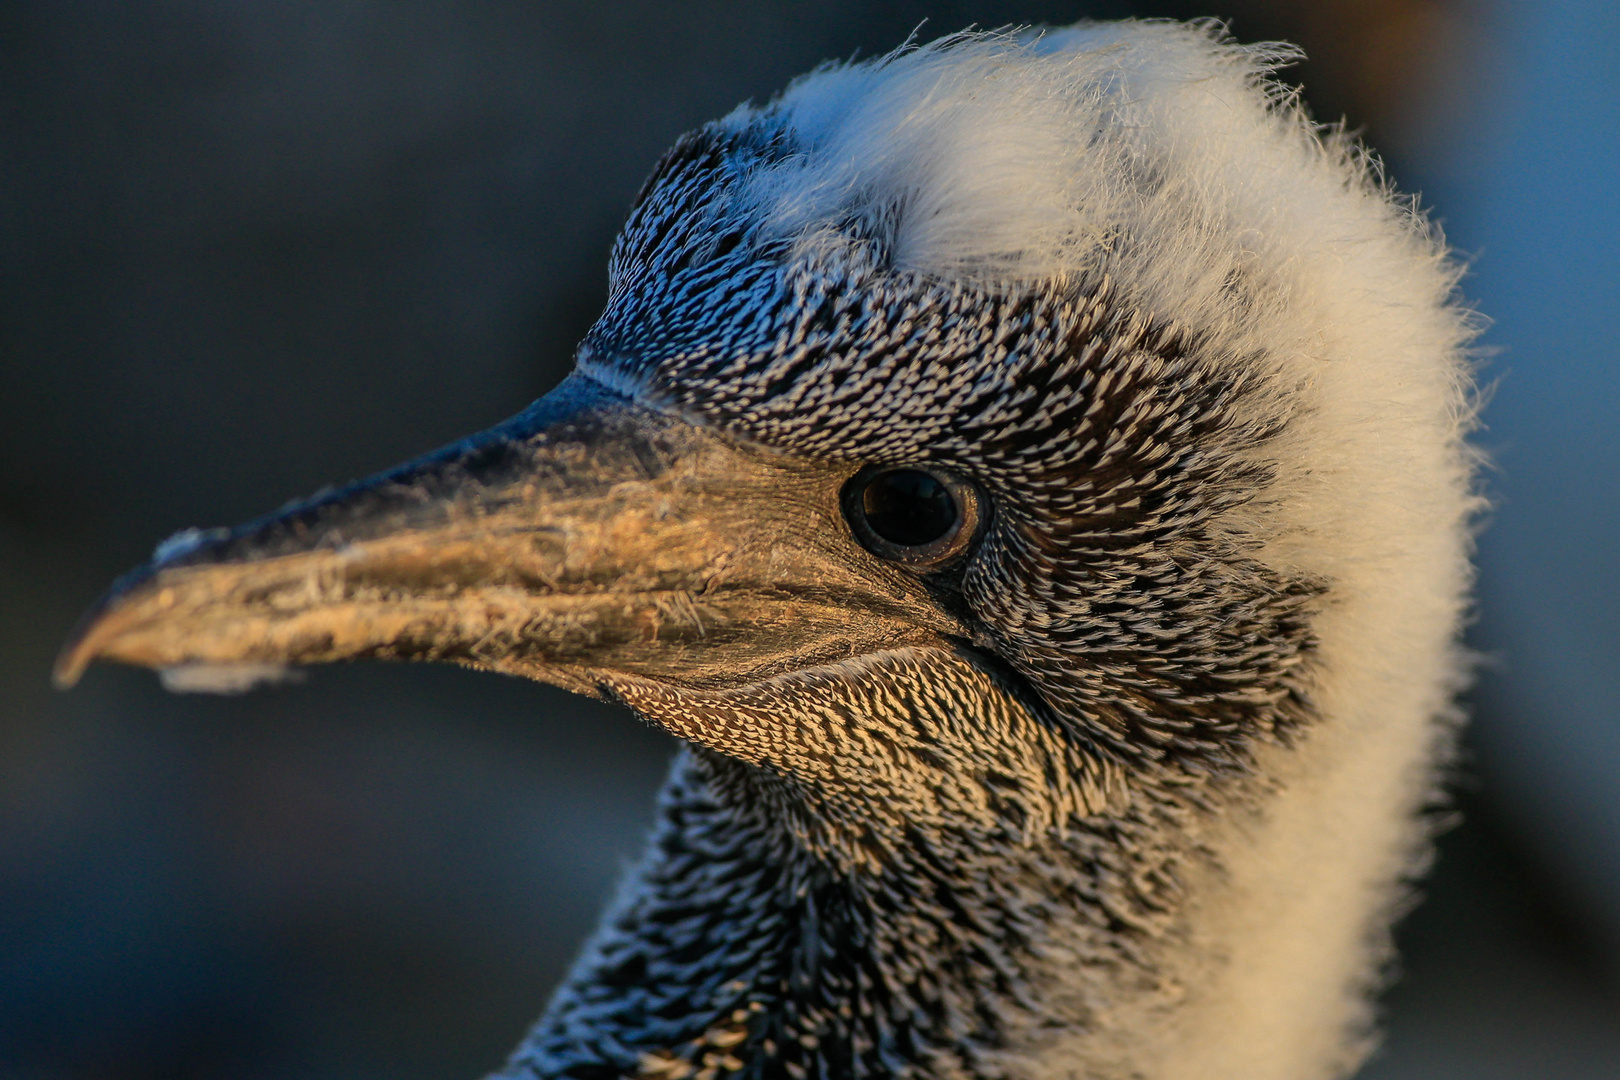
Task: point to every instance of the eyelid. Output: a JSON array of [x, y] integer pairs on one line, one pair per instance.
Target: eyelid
[[971, 508]]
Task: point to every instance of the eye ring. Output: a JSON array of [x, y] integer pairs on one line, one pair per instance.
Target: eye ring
[[919, 517]]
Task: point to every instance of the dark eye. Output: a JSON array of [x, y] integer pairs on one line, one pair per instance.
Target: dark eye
[[919, 517]]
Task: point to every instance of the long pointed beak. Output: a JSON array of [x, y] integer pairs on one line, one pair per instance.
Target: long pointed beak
[[585, 538]]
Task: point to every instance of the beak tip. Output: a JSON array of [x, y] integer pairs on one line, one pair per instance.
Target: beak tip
[[89, 641], [70, 666]]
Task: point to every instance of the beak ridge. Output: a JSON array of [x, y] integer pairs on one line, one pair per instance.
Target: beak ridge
[[588, 535]]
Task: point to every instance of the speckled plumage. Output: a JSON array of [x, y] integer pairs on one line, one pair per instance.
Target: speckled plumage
[[999, 861], [1118, 770]]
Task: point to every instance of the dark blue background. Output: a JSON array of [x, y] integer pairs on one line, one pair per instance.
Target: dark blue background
[[250, 248]]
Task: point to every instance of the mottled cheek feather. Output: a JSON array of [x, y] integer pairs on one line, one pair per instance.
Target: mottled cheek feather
[[1109, 445]]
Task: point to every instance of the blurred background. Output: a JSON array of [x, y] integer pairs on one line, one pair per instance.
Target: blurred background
[[247, 249]]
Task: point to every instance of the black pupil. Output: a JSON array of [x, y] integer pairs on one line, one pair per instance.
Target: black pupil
[[908, 507]]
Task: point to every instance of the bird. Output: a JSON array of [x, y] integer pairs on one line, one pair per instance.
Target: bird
[[1030, 473]]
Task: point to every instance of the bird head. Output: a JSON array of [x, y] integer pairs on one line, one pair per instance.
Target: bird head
[[969, 433]]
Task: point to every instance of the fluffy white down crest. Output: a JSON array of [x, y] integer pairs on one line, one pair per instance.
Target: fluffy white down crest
[[1160, 158], [1034, 154]]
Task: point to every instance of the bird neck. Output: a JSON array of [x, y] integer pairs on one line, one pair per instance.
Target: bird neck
[[737, 948], [787, 923]]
